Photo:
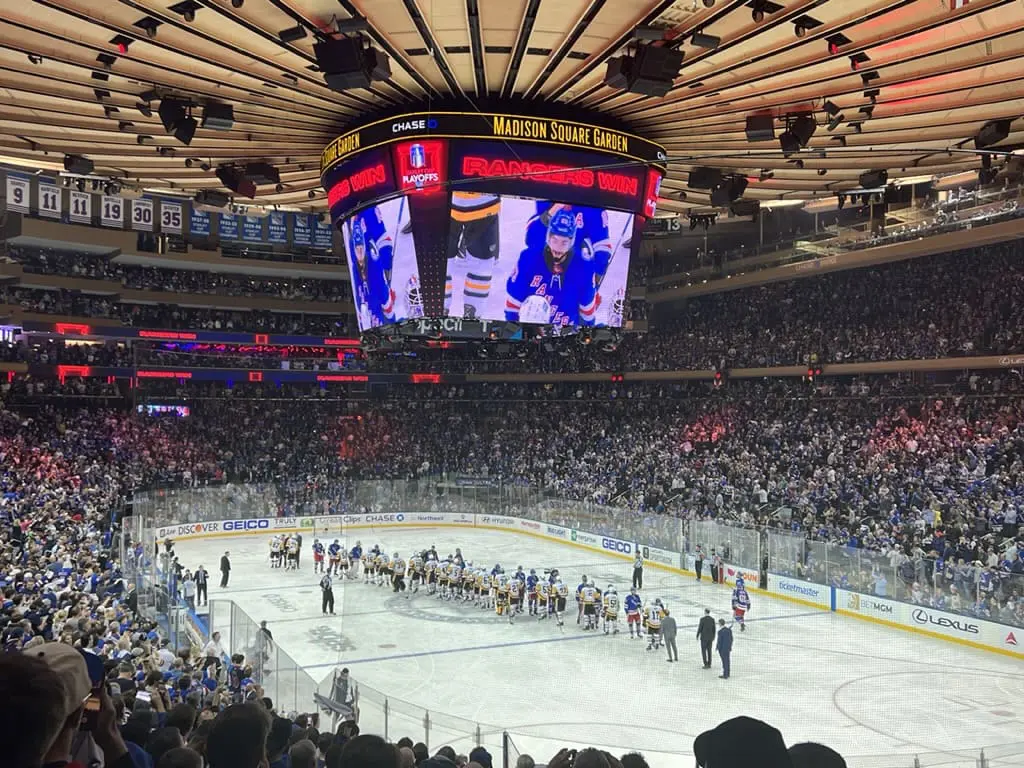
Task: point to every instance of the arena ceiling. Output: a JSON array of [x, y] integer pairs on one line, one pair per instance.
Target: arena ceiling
[[944, 68]]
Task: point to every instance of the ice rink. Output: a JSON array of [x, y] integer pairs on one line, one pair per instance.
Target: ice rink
[[878, 695]]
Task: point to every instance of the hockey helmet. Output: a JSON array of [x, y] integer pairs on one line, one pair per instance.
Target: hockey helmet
[[561, 232], [358, 240], [591, 583], [395, 555], [657, 601], [533, 571]]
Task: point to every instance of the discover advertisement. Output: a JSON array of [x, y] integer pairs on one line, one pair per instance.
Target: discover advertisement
[[804, 591]]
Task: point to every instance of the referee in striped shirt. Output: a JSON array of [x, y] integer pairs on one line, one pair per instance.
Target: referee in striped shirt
[[327, 589]]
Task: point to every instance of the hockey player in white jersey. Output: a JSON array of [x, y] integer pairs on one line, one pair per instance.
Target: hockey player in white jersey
[[653, 614], [611, 610]]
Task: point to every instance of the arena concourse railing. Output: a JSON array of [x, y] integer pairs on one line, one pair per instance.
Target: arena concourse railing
[[897, 590]]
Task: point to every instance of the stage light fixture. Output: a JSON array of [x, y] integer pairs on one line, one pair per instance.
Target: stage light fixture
[[831, 108], [237, 3], [709, 3], [702, 40], [835, 121], [311, 194], [212, 198], [176, 116], [78, 165], [292, 34], [218, 117], [991, 133]]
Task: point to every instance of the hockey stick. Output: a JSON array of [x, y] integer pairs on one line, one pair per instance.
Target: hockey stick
[[615, 251]]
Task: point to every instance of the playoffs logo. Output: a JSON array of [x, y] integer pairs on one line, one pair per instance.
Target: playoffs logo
[[422, 165]]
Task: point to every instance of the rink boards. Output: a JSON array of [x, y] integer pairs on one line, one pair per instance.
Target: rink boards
[[964, 630]]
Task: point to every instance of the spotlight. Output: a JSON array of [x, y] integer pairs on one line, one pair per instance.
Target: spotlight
[[190, 16], [188, 162], [237, 3], [757, 15], [800, 31], [80, 184], [279, 188], [830, 108], [702, 40], [35, 59], [204, 166], [835, 121], [78, 165], [177, 120], [799, 163], [822, 171], [292, 34], [311, 194], [709, 3], [841, 200]]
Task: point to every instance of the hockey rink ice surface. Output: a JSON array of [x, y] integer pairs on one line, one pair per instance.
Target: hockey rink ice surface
[[877, 695]]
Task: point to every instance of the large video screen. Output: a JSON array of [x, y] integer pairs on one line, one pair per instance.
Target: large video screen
[[536, 261], [382, 264]]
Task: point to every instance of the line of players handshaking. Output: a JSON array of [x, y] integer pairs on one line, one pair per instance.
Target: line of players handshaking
[[454, 578]]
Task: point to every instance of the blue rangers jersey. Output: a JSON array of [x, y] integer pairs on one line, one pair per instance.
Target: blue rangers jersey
[[552, 283], [531, 582], [593, 237], [334, 549], [633, 603], [318, 548], [740, 598], [371, 252], [356, 553]]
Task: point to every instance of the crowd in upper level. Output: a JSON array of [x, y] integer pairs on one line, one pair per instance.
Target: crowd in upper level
[[94, 267]]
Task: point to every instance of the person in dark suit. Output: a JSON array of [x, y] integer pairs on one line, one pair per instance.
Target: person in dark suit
[[201, 577], [724, 647], [225, 569], [706, 635]]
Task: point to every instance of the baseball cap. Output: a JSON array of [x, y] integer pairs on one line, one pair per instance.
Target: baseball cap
[[813, 755], [482, 756], [70, 667]]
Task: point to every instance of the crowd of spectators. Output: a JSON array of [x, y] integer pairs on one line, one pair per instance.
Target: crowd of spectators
[[75, 304], [46, 261]]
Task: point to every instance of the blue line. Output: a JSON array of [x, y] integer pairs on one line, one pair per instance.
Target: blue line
[[517, 643]]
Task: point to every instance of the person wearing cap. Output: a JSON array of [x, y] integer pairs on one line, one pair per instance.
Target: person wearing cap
[[724, 647], [70, 668]]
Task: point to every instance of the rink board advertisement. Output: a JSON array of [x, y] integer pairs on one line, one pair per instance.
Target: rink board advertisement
[[965, 630]]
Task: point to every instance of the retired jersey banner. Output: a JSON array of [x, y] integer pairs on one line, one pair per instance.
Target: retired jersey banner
[[170, 217], [18, 188], [112, 212], [49, 200], [142, 214], [81, 207]]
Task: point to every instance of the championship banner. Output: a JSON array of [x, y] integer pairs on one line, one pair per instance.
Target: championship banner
[[323, 235], [142, 214], [227, 227], [199, 225], [49, 200], [277, 228], [81, 207], [475, 125], [112, 212], [302, 230], [170, 217], [252, 229], [18, 188]]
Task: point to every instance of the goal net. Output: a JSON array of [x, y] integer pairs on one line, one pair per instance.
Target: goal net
[[328, 527]]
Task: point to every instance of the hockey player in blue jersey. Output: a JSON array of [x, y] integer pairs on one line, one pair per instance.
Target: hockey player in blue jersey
[[593, 237], [740, 603], [633, 607], [334, 555], [551, 282], [355, 556], [371, 250], [318, 557], [531, 592]]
